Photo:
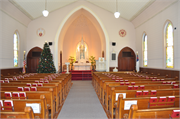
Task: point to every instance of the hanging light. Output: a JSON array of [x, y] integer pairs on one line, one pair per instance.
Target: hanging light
[[116, 14], [45, 12]]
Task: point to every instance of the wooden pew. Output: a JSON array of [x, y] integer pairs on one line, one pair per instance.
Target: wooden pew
[[61, 91], [27, 114], [149, 81], [35, 95], [148, 85], [58, 89], [64, 82], [109, 105], [19, 105], [124, 89], [103, 83], [121, 110], [100, 82], [163, 113], [44, 88]]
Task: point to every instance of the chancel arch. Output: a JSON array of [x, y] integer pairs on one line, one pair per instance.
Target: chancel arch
[[70, 33]]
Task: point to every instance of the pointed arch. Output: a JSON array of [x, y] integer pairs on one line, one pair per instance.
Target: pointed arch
[[60, 41], [16, 48], [145, 49], [169, 44]]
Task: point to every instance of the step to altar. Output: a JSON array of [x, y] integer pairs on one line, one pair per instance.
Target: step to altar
[[81, 74]]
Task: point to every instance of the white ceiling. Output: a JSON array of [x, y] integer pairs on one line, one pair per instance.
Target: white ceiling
[[129, 9], [33, 8]]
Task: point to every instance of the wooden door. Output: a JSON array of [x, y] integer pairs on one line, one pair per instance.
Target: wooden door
[[126, 60], [33, 58]]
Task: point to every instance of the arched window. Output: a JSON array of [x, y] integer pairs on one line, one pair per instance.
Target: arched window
[[144, 49], [16, 48], [169, 44]]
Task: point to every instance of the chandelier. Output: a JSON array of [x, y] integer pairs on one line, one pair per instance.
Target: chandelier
[[116, 14], [45, 12]]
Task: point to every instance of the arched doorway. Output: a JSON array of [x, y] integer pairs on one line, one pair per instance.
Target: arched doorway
[[33, 59], [126, 60]]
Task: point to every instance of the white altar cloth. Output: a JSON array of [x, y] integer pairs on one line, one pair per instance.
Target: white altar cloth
[[82, 66]]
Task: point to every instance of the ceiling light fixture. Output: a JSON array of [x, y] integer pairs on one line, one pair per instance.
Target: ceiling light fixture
[[116, 14], [45, 12]]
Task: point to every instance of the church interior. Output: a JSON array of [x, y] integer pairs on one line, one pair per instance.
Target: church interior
[[90, 59]]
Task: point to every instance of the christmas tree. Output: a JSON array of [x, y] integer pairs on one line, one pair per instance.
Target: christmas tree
[[46, 64]]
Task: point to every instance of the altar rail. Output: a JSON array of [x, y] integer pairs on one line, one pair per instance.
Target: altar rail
[[161, 72], [11, 71]]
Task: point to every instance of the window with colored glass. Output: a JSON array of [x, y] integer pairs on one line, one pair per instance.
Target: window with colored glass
[[169, 45], [145, 50], [16, 48]]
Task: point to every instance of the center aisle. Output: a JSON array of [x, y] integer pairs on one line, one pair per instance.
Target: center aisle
[[82, 102]]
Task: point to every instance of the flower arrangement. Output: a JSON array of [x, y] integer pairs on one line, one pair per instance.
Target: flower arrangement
[[93, 62], [71, 61]]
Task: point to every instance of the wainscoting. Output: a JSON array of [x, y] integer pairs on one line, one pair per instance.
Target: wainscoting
[[11, 71], [161, 72], [111, 68]]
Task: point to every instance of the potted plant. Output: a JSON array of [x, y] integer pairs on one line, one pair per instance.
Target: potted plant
[[71, 60], [93, 62]]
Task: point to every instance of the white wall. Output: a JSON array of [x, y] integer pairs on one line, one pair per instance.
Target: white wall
[[9, 24], [53, 21], [12, 19], [178, 39], [1, 51], [154, 27]]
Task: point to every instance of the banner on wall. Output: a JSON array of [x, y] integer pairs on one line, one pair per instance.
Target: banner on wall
[[24, 64]]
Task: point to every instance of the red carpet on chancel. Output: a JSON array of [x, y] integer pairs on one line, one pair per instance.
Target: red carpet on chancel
[[81, 74]]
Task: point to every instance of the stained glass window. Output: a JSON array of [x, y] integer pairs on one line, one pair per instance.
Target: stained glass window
[[16, 48], [145, 50], [169, 45]]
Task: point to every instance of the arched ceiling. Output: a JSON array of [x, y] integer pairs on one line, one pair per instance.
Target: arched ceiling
[[82, 19]]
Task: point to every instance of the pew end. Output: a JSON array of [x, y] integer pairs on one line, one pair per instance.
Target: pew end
[[132, 110], [171, 113], [27, 114]]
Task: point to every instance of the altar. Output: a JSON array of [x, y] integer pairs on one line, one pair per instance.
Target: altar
[[82, 60], [86, 66]]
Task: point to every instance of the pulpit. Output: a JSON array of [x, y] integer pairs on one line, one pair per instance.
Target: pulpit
[[101, 65]]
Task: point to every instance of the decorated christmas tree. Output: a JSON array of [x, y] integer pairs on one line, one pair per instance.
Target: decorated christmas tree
[[46, 64]]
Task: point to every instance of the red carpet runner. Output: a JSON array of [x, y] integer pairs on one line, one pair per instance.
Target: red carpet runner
[[81, 75]]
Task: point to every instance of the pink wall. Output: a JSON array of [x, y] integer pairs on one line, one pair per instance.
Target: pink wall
[[81, 26]]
